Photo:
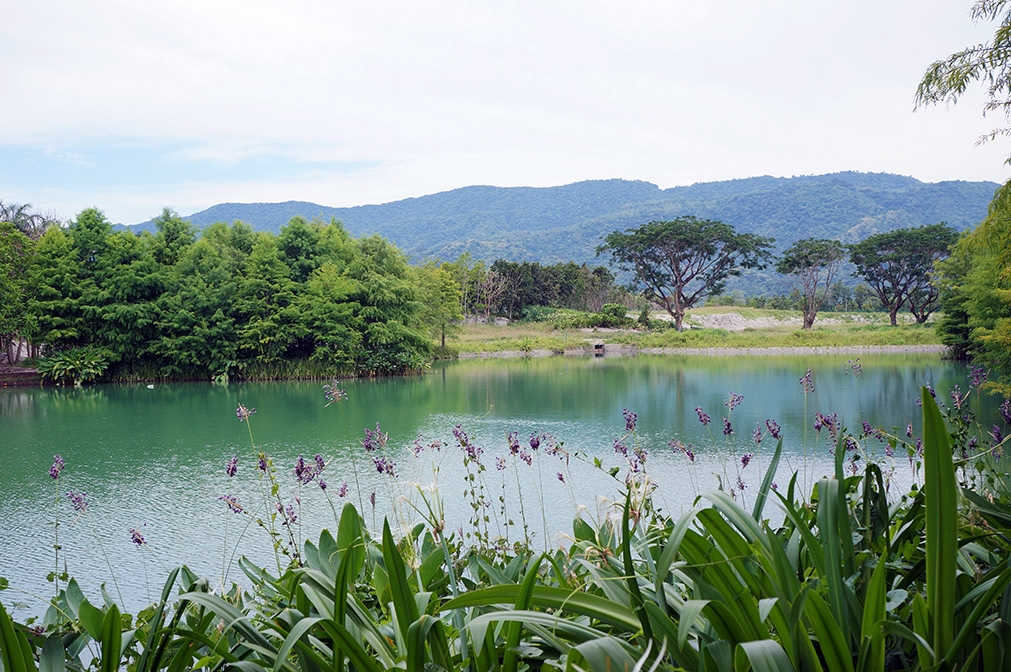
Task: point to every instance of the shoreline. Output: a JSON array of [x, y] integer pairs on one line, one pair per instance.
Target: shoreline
[[631, 351]]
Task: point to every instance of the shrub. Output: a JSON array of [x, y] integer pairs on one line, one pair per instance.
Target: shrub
[[79, 365]]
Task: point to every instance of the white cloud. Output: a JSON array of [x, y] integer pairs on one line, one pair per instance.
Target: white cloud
[[364, 102]]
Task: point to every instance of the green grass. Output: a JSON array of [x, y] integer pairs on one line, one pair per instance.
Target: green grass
[[832, 330]]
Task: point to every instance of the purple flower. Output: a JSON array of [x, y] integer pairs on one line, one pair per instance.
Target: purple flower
[[740, 484], [320, 463], [829, 422], [854, 366], [261, 462], [727, 428], [973, 443], [231, 466], [526, 457], [620, 447], [322, 484], [807, 382], [136, 537], [630, 419], [343, 490], [889, 451], [956, 396], [977, 376], [757, 433], [78, 500], [1005, 412], [332, 393], [774, 429], [703, 417], [57, 467], [473, 452], [560, 477], [909, 430], [375, 440], [997, 436], [734, 400], [689, 453], [231, 502], [535, 441], [500, 463], [243, 413], [372, 498], [384, 466], [514, 443], [746, 459]]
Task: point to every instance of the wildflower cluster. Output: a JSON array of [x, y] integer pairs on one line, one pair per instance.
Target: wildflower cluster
[[734, 400], [807, 382], [243, 413], [305, 472], [679, 447], [334, 394], [231, 466], [472, 451], [774, 429], [78, 500], [703, 416], [630, 419], [852, 366], [57, 468]]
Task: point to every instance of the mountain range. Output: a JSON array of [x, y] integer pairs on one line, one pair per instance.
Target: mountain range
[[553, 224]]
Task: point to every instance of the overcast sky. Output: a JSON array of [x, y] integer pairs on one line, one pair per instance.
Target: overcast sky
[[134, 106]]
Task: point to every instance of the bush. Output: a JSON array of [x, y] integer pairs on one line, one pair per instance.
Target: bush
[[79, 365]]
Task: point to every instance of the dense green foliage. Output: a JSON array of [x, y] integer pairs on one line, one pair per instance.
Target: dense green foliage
[[176, 305], [898, 265], [677, 264]]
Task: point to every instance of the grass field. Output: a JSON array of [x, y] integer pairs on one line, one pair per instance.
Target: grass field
[[743, 328]]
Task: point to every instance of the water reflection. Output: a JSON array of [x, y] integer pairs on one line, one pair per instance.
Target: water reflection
[[155, 457]]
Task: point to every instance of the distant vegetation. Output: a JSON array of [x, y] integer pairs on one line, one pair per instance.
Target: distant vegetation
[[561, 224]]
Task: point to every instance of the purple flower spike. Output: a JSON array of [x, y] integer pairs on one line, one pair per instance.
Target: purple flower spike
[[703, 416], [630, 419], [343, 490], [746, 459], [977, 376], [997, 435], [322, 484], [136, 537], [560, 477], [514, 443], [243, 413], [1005, 412], [78, 500], [807, 382], [372, 498], [757, 433], [261, 462], [500, 463], [535, 441], [853, 365], [727, 427], [57, 468], [774, 429], [231, 466], [734, 400], [333, 394], [620, 447], [231, 502]]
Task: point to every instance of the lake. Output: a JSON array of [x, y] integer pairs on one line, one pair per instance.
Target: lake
[[153, 460]]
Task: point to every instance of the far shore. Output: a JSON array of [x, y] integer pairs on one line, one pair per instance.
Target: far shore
[[627, 350]]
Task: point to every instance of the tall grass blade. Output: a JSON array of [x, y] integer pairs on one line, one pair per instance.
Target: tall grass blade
[[403, 599], [941, 504], [511, 658], [15, 651], [770, 475]]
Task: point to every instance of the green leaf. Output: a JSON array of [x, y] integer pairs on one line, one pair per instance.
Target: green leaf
[[112, 640], [766, 655], [54, 656], [941, 510]]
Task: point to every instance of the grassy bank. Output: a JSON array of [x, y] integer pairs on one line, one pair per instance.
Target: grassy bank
[[746, 328]]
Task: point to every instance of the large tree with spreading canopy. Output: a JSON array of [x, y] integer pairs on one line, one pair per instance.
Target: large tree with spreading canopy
[[677, 264]]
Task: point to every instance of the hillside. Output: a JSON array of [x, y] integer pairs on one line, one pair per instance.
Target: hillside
[[564, 223]]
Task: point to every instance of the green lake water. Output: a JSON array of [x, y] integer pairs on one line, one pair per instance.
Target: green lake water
[[154, 459]]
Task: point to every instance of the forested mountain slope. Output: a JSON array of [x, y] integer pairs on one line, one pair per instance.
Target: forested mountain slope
[[565, 223]]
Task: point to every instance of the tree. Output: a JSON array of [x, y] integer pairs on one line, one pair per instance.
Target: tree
[[439, 299], [897, 265], [31, 224], [813, 263], [988, 63], [678, 263], [17, 288]]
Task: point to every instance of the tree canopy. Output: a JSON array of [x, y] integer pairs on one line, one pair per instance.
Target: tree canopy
[[898, 265], [678, 263], [813, 263]]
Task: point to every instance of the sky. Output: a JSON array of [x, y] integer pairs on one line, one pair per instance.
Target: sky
[[131, 107]]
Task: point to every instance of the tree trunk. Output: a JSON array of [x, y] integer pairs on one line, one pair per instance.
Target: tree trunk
[[678, 318], [809, 318], [892, 312]]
